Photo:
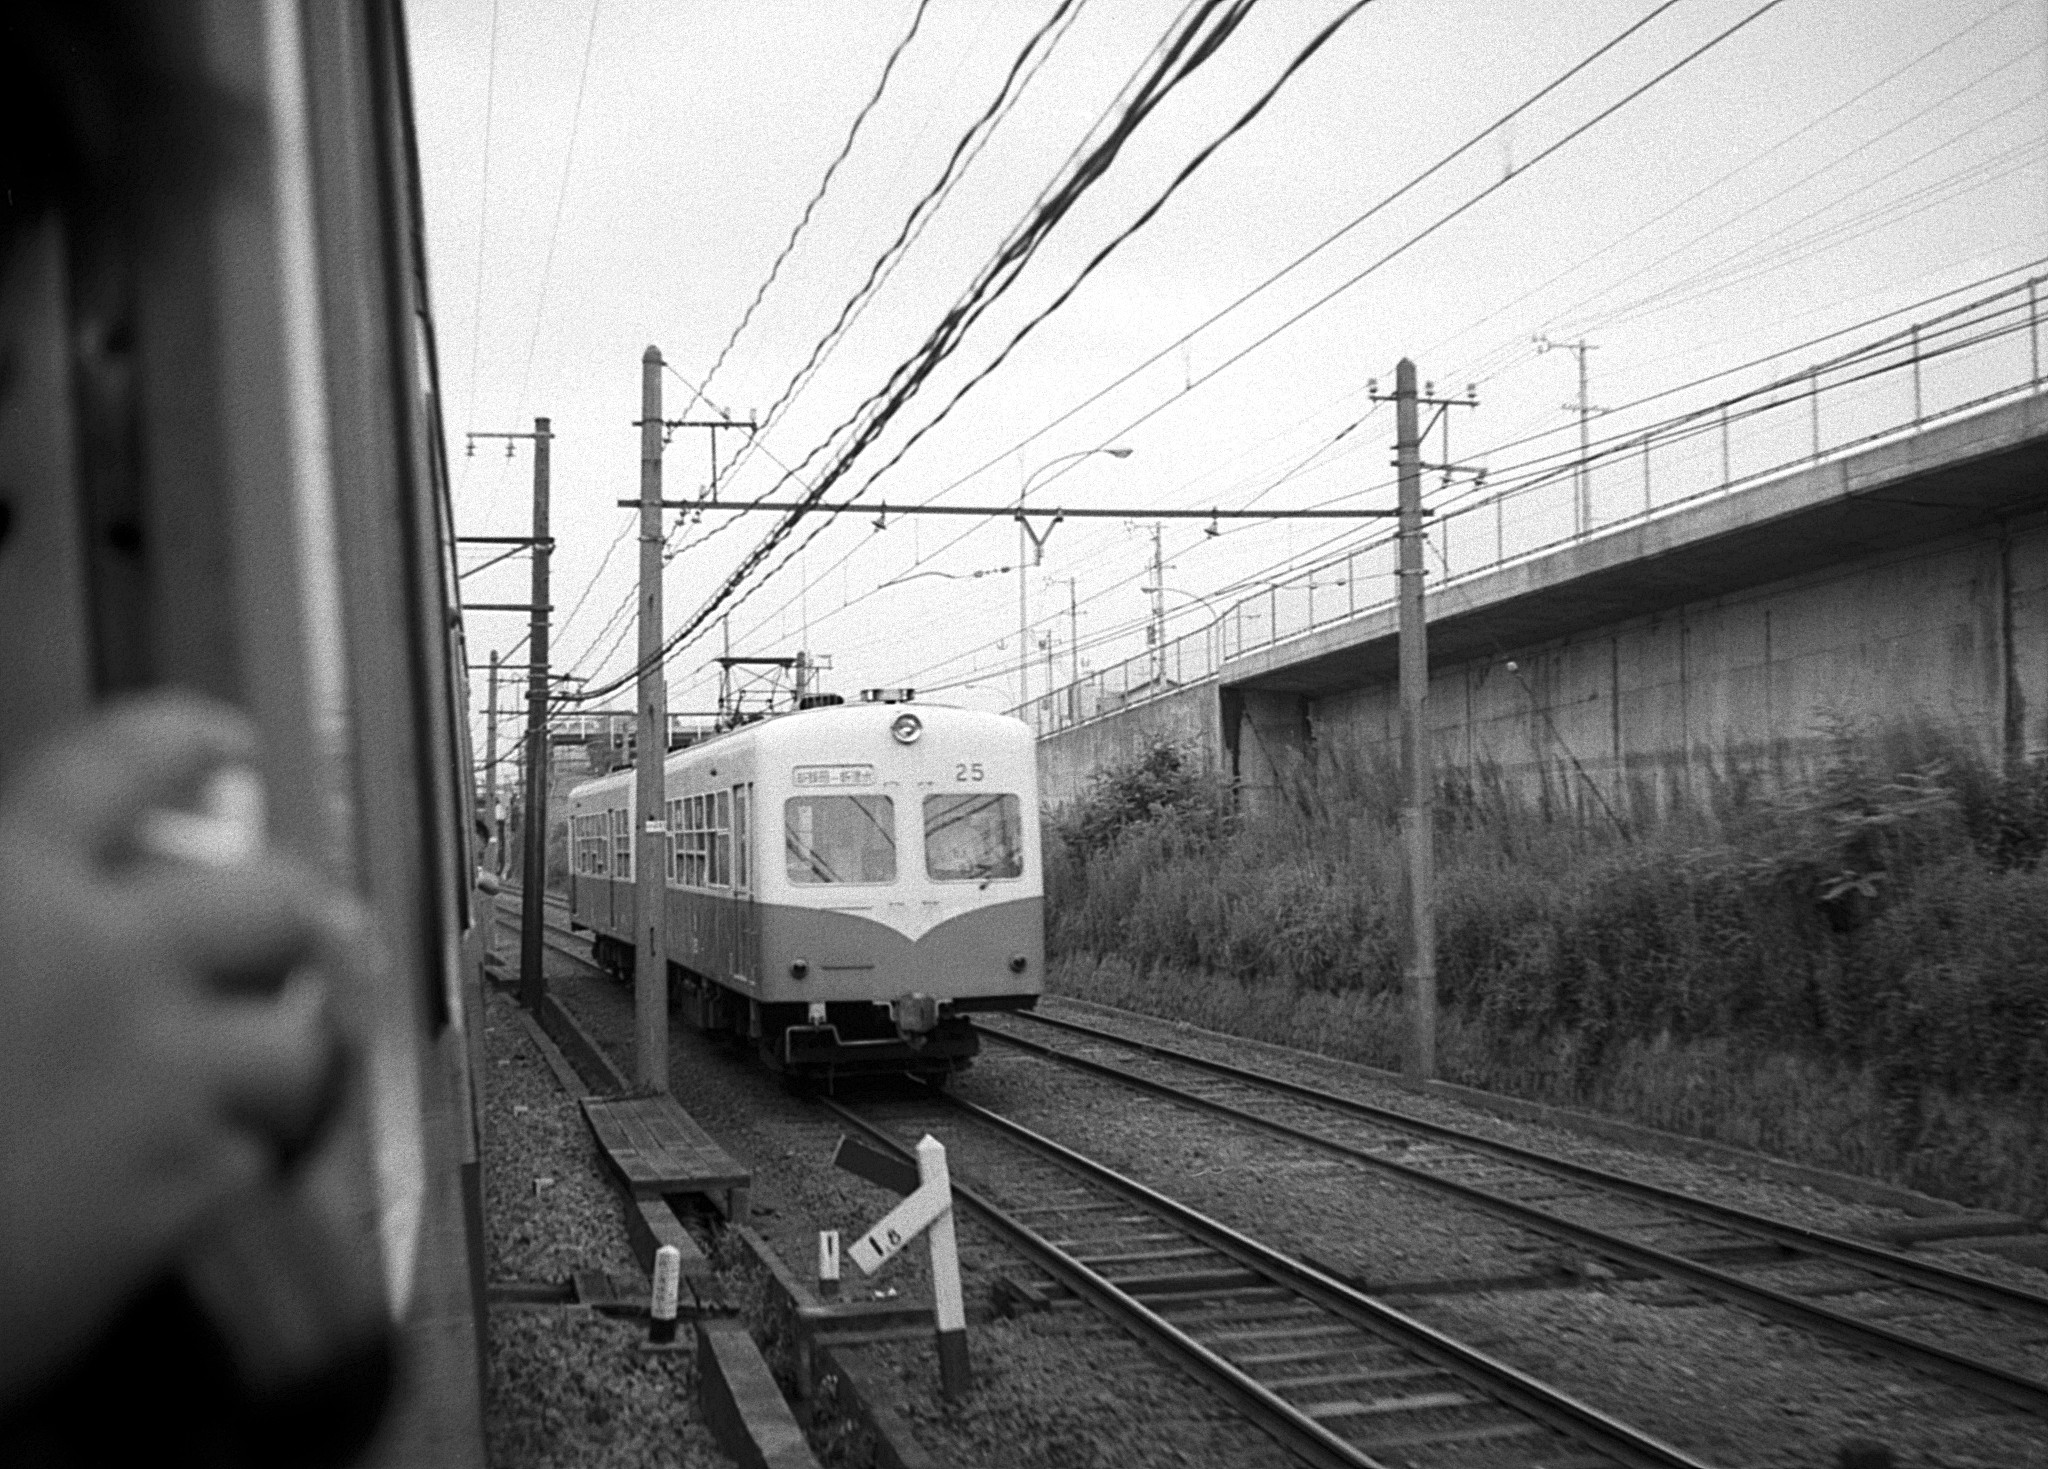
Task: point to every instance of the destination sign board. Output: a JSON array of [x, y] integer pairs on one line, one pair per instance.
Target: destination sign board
[[833, 776]]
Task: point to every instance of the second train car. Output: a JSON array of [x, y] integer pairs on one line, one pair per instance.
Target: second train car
[[845, 885]]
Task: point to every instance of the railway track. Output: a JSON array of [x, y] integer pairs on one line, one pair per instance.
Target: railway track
[[1976, 1333], [557, 936], [1334, 1376]]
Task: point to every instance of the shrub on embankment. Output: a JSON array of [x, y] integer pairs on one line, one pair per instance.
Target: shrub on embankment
[[1853, 973]]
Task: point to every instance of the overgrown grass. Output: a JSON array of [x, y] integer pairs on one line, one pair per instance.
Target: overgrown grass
[[1854, 973]]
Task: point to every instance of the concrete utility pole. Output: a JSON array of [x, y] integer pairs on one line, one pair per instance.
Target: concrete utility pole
[[1026, 535], [1073, 632], [1418, 929], [491, 768], [1023, 618], [1157, 631], [1418, 782], [1582, 473], [651, 834], [533, 882]]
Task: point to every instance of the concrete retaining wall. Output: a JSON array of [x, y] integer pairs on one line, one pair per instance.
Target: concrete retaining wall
[[1902, 587], [1952, 638], [1187, 717]]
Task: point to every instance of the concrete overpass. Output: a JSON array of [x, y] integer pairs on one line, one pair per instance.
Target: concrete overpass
[[1901, 584]]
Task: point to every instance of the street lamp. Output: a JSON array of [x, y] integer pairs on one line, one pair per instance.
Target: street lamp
[[1158, 628], [1038, 545]]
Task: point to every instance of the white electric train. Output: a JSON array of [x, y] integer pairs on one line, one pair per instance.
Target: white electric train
[[845, 885]]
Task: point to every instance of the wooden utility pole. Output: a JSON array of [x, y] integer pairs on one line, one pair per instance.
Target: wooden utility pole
[[533, 882], [651, 834]]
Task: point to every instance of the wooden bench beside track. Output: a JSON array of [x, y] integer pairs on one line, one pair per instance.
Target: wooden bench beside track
[[656, 1148]]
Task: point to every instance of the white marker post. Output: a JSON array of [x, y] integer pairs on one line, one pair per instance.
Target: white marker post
[[661, 1310], [930, 1208], [828, 1264]]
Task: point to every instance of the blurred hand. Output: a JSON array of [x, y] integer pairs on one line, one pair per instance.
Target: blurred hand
[[164, 1034]]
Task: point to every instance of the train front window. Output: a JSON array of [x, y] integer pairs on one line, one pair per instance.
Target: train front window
[[973, 838], [840, 839]]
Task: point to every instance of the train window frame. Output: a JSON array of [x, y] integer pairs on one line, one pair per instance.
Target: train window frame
[[1012, 815], [800, 862], [622, 845], [691, 854], [742, 798]]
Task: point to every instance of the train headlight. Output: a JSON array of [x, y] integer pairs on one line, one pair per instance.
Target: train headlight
[[799, 968], [906, 728]]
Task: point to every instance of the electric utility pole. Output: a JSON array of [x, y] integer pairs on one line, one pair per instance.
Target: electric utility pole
[[533, 831], [1158, 628], [650, 829], [1418, 822], [491, 767], [1073, 632], [652, 840], [1582, 473], [533, 887]]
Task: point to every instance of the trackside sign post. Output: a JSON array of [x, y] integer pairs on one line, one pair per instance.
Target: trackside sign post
[[928, 1209]]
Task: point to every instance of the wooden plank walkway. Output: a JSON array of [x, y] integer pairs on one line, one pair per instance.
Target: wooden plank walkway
[[656, 1148]]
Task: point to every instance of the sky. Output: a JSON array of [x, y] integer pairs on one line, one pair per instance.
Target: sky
[[605, 175]]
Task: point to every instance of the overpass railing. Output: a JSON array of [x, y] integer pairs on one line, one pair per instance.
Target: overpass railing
[[1906, 382]]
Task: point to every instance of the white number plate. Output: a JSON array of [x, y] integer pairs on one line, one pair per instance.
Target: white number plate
[[834, 775]]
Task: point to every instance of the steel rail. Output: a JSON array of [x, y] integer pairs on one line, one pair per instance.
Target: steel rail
[[1979, 1376], [1294, 1429], [1893, 1264]]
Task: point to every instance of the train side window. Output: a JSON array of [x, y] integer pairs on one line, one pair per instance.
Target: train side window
[[721, 838], [829, 839], [739, 835], [622, 846], [973, 838], [674, 844]]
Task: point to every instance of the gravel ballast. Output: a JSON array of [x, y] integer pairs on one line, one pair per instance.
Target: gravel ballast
[[1062, 1390], [567, 1385], [1065, 1388]]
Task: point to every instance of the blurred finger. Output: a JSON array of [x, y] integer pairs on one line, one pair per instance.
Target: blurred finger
[[243, 927], [282, 1065], [146, 752]]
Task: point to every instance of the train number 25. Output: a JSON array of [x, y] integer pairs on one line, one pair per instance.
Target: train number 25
[[968, 771]]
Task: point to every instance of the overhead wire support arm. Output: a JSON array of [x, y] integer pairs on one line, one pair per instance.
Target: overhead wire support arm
[[1010, 511], [669, 426]]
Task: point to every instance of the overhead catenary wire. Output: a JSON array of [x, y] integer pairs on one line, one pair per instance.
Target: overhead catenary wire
[[1315, 44], [1481, 368], [1734, 269], [965, 150], [1550, 465], [1325, 243], [1441, 221], [824, 185], [1358, 220], [561, 198], [483, 206], [1728, 222], [1190, 49]]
